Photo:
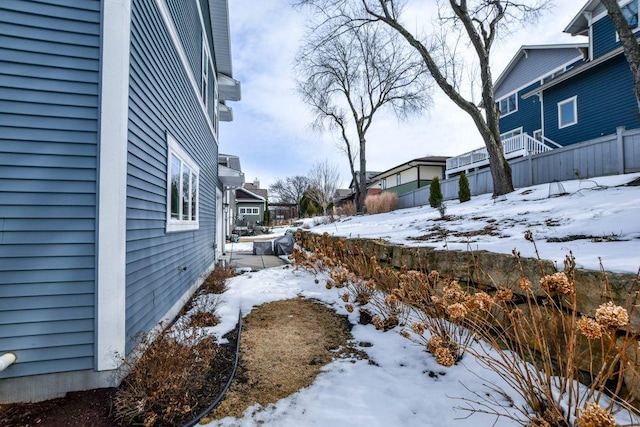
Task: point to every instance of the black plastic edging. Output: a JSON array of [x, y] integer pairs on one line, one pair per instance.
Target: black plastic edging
[[215, 403]]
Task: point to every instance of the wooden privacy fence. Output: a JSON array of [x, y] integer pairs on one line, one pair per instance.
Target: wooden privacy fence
[[608, 155]]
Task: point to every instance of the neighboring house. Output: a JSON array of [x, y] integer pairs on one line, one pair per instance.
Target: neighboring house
[[558, 95], [231, 178], [109, 186], [250, 204], [411, 175], [343, 196]]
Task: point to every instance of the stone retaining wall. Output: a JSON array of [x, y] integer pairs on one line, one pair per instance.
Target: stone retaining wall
[[483, 269]]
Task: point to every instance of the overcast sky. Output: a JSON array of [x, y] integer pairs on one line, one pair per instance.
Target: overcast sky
[[270, 131]]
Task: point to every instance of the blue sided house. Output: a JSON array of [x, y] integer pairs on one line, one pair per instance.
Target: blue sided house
[[110, 197], [551, 96]]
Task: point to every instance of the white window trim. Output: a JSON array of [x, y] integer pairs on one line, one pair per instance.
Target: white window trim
[[398, 179], [574, 100], [174, 225], [507, 97], [204, 72]]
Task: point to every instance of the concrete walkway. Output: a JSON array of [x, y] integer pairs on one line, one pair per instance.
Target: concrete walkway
[[245, 259]]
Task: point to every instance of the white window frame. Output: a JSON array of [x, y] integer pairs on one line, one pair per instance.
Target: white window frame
[[204, 72], [173, 224], [506, 98], [537, 135], [398, 179], [574, 100], [384, 183], [249, 211]]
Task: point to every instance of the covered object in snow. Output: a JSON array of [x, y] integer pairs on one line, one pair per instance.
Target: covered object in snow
[[283, 245], [263, 248]]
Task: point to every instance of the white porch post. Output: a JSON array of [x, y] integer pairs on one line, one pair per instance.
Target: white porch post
[[112, 184]]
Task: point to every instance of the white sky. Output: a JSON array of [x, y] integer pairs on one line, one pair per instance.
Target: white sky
[[271, 133]]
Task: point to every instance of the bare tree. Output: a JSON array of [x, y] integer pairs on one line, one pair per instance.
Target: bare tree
[[291, 189], [346, 74], [628, 40], [476, 24], [323, 179]]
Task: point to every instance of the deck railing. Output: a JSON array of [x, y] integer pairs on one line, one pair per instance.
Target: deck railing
[[516, 146]]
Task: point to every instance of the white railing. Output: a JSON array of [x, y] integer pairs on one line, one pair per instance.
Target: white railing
[[516, 146]]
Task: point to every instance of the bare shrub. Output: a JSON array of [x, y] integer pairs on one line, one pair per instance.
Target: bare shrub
[[346, 209], [162, 386], [216, 283], [381, 203]]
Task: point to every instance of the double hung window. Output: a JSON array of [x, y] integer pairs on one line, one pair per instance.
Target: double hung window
[[182, 189]]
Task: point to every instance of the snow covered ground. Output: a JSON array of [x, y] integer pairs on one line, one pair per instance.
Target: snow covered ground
[[602, 212], [405, 386]]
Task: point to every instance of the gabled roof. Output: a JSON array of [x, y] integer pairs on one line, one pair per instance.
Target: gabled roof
[[420, 161], [579, 25], [244, 195], [523, 52]]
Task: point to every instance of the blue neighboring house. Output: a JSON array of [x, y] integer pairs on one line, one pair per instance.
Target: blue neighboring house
[[110, 199], [551, 96]]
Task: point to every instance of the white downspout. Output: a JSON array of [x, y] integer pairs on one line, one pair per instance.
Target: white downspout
[[7, 360]]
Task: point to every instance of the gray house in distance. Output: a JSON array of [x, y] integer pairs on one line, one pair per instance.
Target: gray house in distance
[[109, 189]]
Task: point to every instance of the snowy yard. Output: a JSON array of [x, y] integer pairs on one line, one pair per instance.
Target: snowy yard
[[405, 386]]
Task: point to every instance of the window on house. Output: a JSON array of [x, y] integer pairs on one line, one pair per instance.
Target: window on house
[[384, 183], [204, 88], [630, 12], [182, 189], [537, 135], [508, 105], [398, 179], [249, 211], [568, 112]]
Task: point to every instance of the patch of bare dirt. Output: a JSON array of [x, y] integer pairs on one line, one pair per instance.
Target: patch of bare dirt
[[284, 345]]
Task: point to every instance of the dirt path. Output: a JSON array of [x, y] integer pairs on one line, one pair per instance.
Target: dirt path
[[284, 345]]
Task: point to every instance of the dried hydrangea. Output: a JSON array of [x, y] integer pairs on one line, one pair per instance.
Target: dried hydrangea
[[557, 283], [453, 292], [378, 323], [503, 295], [524, 284], [594, 416], [418, 328], [349, 308], [456, 311], [444, 357], [611, 316], [590, 328], [345, 297], [434, 343]]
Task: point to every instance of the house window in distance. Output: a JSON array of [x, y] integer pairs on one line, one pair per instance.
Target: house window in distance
[[398, 179], [630, 12], [508, 105], [568, 112], [182, 189]]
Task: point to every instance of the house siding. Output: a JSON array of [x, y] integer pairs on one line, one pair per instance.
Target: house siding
[[538, 63], [163, 101], [604, 37], [601, 107], [49, 85], [527, 116]]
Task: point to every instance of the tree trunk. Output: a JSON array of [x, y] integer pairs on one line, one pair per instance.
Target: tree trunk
[[362, 185]]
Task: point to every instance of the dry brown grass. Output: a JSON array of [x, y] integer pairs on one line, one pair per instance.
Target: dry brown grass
[[381, 203], [284, 345]]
